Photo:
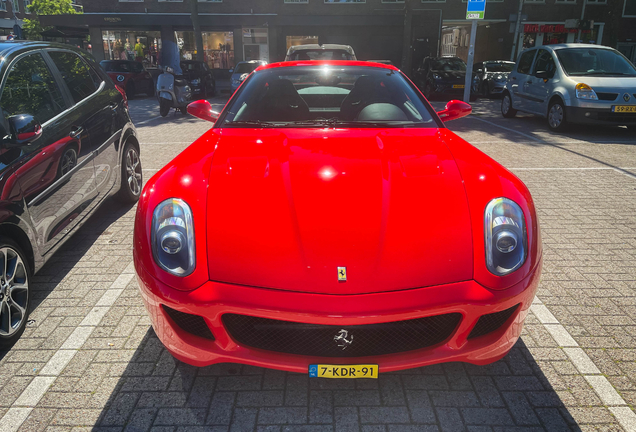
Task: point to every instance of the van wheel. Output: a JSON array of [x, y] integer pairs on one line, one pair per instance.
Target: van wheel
[[131, 175], [556, 116], [164, 106], [14, 292], [506, 106]]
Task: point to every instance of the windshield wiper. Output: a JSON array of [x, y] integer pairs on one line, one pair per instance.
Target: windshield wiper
[[255, 123]]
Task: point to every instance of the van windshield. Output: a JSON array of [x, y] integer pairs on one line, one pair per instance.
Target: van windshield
[[594, 62]]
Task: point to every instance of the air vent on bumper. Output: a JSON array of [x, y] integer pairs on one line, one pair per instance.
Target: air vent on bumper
[[193, 324], [490, 322]]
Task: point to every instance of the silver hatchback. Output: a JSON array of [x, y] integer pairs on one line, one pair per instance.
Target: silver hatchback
[[573, 83]]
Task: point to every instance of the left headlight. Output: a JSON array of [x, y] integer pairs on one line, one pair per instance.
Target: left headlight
[[505, 230], [173, 237]]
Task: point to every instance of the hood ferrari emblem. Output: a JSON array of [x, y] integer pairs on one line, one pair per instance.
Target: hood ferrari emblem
[[342, 274], [626, 97], [341, 339]]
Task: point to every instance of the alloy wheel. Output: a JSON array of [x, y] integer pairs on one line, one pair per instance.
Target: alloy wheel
[[69, 160], [555, 116], [505, 104], [14, 292], [133, 171]]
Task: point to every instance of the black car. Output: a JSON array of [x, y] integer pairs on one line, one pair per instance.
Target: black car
[[67, 144], [200, 77], [442, 76], [490, 77]]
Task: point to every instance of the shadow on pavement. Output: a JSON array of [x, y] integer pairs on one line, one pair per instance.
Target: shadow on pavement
[[157, 390]]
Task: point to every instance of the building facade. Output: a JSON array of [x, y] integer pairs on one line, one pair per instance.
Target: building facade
[[236, 30], [12, 12]]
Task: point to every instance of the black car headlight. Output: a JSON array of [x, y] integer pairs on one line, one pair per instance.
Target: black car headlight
[[173, 237], [505, 230]]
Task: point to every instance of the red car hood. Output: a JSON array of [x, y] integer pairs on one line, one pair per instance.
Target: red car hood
[[287, 207]]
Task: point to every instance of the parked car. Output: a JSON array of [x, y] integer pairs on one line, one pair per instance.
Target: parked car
[[573, 83], [330, 218], [242, 71], [67, 144], [320, 52], [200, 78], [489, 77], [442, 76], [131, 76]]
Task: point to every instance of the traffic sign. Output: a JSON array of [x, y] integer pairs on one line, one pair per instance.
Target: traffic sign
[[475, 9]]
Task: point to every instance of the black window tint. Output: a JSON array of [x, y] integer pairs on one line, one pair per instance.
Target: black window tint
[[525, 62], [31, 89], [544, 63], [76, 74]]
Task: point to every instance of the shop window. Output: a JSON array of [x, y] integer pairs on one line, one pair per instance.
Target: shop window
[[142, 46], [525, 62], [3, 5], [629, 8], [16, 6], [301, 40], [255, 44], [218, 48]]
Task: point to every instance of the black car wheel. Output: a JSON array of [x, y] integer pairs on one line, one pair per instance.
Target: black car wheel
[[131, 175], [184, 110], [151, 89], [485, 89], [14, 292], [428, 91]]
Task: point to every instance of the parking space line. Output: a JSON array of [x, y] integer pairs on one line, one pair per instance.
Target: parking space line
[[625, 416], [29, 398]]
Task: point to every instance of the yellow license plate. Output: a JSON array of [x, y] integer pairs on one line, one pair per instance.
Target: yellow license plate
[[624, 108], [458, 86], [343, 371]]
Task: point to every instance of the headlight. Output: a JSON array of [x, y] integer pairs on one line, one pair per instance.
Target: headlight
[[437, 76], [245, 75], [500, 78], [195, 82], [505, 230], [584, 91], [173, 237]]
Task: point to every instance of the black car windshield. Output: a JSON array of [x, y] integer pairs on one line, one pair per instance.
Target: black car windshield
[[242, 68], [320, 54], [449, 64], [328, 96], [119, 66], [499, 67], [594, 62]]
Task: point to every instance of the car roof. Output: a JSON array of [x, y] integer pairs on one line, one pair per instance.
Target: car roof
[[557, 47], [327, 63], [320, 47], [119, 61], [9, 47]]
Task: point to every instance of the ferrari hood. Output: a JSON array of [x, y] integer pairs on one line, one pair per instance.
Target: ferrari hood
[[290, 208]]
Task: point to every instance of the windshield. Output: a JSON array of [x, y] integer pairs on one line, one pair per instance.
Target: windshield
[[499, 67], [449, 64], [190, 66], [120, 67], [320, 54], [594, 62], [327, 96], [242, 68]]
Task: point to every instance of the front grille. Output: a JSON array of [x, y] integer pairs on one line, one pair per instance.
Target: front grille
[[490, 322], [607, 96], [320, 340], [193, 324]]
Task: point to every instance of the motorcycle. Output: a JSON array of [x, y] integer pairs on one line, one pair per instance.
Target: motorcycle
[[172, 91]]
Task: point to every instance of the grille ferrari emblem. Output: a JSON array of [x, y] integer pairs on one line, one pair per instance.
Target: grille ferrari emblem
[[341, 339], [342, 274], [626, 97]]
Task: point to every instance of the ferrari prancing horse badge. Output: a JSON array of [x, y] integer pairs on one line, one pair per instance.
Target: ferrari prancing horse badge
[[342, 274]]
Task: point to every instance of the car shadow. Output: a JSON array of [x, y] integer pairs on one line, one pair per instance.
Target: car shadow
[[156, 390]]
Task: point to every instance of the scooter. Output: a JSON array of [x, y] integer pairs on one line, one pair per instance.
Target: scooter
[[172, 91]]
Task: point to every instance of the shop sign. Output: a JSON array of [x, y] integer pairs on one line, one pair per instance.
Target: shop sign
[[112, 20], [475, 9], [547, 28]]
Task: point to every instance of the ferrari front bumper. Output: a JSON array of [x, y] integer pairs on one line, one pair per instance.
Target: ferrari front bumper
[[213, 300]]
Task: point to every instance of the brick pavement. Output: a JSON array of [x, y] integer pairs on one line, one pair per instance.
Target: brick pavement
[[121, 378]]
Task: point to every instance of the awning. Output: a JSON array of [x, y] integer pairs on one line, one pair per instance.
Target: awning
[[66, 32]]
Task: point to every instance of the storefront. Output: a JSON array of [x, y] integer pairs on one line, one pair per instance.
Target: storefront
[[538, 34], [134, 45], [218, 48]]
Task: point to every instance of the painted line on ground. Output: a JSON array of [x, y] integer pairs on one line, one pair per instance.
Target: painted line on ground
[[147, 121], [586, 367], [29, 398]]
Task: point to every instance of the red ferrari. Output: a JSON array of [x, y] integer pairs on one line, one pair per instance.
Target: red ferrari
[[330, 224]]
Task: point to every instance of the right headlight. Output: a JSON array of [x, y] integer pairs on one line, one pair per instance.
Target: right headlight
[[173, 237], [505, 230], [584, 91]]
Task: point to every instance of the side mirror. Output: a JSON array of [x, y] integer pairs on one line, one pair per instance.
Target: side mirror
[[454, 109], [23, 130], [542, 74], [231, 71], [203, 110]]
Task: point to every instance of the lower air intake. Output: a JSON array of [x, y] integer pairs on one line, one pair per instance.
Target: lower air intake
[[490, 322], [193, 324], [340, 340]]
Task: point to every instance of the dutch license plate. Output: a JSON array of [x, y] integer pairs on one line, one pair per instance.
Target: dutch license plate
[[343, 371], [624, 108], [458, 86]]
